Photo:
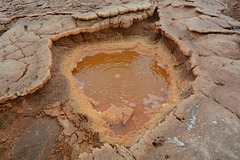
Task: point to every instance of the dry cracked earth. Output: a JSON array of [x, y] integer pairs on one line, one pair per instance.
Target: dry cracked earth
[[37, 120]]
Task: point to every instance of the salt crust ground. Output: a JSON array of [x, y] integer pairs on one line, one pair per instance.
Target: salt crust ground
[[204, 126]]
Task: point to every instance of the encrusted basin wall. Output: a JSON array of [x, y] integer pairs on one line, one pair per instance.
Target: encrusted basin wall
[[140, 38]]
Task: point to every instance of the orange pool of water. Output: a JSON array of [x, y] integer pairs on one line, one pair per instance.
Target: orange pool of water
[[124, 80]]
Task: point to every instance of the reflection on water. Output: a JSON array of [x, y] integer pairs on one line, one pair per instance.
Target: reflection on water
[[124, 79]]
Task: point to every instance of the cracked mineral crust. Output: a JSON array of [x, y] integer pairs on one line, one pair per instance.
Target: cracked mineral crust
[[25, 47], [37, 121]]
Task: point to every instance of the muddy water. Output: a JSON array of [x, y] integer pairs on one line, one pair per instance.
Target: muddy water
[[124, 79]]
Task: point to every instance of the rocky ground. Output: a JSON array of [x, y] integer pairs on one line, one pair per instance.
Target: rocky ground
[[36, 120]]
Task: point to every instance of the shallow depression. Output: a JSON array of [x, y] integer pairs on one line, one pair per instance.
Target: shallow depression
[[127, 87]]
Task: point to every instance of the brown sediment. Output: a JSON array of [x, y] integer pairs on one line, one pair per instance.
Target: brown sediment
[[86, 105]]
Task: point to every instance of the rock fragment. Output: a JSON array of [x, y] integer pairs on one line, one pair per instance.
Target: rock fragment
[[105, 152], [124, 8], [231, 21], [127, 114], [68, 126], [207, 11], [85, 16], [221, 45], [222, 23], [204, 26], [115, 115]]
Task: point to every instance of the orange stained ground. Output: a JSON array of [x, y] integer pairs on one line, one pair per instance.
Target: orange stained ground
[[124, 79]]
